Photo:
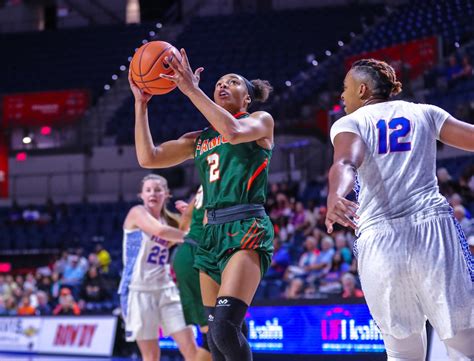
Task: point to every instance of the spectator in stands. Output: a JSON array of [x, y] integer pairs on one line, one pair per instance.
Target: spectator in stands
[[298, 218], [93, 260], [44, 284], [280, 260], [83, 263], [331, 282], [30, 281], [466, 69], [271, 197], [55, 285], [25, 308], [19, 280], [342, 248], [66, 305], [467, 225], [15, 213], [285, 228], [3, 309], [43, 308], [299, 275], [73, 275], [31, 214], [9, 285], [314, 264], [456, 200], [349, 289], [470, 241], [282, 207], [3, 286], [93, 288], [445, 182], [104, 258], [29, 291], [452, 71], [61, 263], [10, 306]]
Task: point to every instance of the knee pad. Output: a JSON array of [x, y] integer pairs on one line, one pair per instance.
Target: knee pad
[[226, 336], [227, 328], [245, 329]]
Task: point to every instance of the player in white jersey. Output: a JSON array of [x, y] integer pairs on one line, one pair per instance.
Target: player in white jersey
[[413, 260], [148, 296]]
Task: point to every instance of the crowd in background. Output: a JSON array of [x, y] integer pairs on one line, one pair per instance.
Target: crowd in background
[[307, 262], [71, 285], [314, 264]]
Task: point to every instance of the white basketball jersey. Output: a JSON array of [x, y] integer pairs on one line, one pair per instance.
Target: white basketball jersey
[[398, 175], [145, 260]]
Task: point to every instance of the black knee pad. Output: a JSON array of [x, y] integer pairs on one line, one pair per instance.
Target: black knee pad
[[210, 344], [245, 329], [227, 329], [209, 312]]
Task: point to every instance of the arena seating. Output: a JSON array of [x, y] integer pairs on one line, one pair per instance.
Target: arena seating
[[450, 20], [272, 46], [76, 58]]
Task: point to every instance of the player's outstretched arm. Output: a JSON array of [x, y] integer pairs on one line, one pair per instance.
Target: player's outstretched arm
[[165, 155], [457, 134], [258, 126], [138, 217], [349, 151]]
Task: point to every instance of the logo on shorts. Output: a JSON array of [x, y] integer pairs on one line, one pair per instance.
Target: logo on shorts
[[210, 318], [223, 303]]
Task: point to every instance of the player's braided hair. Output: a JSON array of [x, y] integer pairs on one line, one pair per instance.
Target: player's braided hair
[[382, 75]]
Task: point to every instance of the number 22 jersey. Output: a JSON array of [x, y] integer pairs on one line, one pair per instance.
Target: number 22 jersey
[[145, 262], [231, 174], [398, 175]]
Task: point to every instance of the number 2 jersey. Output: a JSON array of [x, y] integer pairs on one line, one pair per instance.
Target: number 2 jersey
[[145, 262], [231, 174], [398, 175]]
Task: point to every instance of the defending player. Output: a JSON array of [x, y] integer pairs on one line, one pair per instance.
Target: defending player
[[148, 296], [412, 255]]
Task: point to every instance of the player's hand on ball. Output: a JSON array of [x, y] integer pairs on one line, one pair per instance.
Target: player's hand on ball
[[340, 210], [183, 77], [181, 206], [140, 95]]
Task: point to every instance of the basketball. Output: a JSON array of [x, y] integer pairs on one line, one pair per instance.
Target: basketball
[[149, 62]]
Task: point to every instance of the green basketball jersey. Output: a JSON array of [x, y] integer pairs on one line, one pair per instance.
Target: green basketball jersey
[[231, 174], [197, 228]]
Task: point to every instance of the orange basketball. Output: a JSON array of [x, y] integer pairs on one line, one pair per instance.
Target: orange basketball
[[149, 62]]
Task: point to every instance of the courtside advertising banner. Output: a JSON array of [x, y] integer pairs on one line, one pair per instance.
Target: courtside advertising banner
[[92, 336], [19, 334]]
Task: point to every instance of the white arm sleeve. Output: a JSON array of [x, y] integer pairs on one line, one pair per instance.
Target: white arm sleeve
[[345, 124], [436, 116]]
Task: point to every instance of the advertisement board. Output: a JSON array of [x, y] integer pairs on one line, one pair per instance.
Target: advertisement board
[[44, 108], [344, 329], [91, 336]]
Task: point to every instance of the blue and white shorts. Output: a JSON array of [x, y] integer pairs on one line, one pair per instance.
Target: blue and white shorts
[[417, 268]]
